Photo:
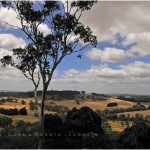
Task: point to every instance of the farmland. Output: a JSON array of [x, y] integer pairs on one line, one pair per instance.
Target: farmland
[[95, 105]]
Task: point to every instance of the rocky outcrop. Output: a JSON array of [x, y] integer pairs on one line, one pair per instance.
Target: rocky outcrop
[[135, 137]]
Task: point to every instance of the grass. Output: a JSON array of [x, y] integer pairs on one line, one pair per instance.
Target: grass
[[116, 125], [101, 105], [93, 104], [133, 113]]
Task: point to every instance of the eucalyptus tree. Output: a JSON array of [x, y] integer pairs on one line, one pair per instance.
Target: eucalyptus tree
[[45, 52]]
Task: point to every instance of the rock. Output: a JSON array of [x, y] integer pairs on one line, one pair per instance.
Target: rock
[[135, 137]]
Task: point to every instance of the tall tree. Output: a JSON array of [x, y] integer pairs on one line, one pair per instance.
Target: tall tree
[[45, 52]]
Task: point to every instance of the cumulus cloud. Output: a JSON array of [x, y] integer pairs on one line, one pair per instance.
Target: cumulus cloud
[[129, 19], [131, 78], [133, 73], [10, 41], [111, 55], [8, 16], [4, 52], [142, 46], [44, 29]]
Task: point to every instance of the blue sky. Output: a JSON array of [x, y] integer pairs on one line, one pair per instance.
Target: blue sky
[[119, 64]]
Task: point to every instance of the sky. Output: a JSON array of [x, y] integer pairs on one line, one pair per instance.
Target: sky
[[119, 64]]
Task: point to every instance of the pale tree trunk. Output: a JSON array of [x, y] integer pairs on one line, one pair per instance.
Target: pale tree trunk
[[41, 141], [36, 101]]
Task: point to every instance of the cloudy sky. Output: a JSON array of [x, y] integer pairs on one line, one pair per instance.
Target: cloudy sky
[[119, 64]]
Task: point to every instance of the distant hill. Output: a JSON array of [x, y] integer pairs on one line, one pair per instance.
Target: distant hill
[[57, 95]]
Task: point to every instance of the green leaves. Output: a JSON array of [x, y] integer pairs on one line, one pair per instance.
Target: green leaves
[[7, 60], [85, 34], [83, 5], [28, 13], [50, 6]]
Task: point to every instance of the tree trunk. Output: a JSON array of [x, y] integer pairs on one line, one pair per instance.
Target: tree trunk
[[41, 141], [37, 104]]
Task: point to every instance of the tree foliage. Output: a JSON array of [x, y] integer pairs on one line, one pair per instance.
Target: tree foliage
[[44, 52]]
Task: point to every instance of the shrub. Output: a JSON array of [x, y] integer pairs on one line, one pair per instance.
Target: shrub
[[9, 99], [5, 121], [20, 123], [10, 112], [77, 101], [32, 105], [2, 101], [23, 102], [112, 104], [23, 111]]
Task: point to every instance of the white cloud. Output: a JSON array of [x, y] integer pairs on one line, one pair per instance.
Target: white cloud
[[130, 78], [129, 19], [4, 52], [137, 72], [10, 41], [143, 43], [8, 16], [109, 18], [111, 55], [44, 29]]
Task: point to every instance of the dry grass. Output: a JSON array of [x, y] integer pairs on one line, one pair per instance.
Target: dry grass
[[93, 104], [116, 125], [133, 113], [101, 105]]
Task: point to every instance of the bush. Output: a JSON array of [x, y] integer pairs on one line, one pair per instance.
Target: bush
[[10, 112], [112, 104], [23, 111], [32, 105], [5, 121], [77, 101], [2, 101], [13, 100], [20, 123], [23, 102]]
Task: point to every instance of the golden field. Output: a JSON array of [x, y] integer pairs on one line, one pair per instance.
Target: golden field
[[101, 105]]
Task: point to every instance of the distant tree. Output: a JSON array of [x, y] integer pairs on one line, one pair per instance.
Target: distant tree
[[83, 92], [23, 102], [88, 96], [77, 101], [93, 98], [5, 121], [122, 117], [23, 111], [82, 97], [138, 118], [20, 123], [32, 105], [112, 104]]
